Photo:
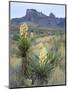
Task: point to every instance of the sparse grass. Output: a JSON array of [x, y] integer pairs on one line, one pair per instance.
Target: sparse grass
[[56, 76]]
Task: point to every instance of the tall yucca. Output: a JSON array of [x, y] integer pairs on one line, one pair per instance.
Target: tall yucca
[[24, 45], [24, 42]]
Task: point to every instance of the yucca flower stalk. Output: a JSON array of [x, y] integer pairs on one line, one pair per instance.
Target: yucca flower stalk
[[42, 56], [23, 30]]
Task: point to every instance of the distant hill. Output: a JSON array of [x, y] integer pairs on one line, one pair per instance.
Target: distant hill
[[33, 16]]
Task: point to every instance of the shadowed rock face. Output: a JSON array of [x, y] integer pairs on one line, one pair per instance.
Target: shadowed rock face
[[31, 15], [34, 16], [52, 15]]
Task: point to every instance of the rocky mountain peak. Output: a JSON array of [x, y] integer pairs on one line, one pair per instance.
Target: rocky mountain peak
[[51, 15]]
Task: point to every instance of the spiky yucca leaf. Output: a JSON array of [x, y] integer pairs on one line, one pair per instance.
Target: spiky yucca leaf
[[24, 44]]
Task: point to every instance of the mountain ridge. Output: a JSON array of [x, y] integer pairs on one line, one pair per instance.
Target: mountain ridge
[[41, 19]]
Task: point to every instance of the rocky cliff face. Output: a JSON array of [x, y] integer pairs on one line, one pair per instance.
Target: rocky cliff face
[[39, 18]]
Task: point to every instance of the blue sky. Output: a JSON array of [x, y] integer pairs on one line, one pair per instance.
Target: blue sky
[[19, 9]]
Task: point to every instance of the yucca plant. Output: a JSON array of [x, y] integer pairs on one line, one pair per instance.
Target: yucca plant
[[43, 64], [23, 46]]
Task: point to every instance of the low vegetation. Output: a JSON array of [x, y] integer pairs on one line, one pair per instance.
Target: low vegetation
[[37, 59]]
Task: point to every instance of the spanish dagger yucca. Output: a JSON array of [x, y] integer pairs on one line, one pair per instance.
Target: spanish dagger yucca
[[24, 45], [24, 42]]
